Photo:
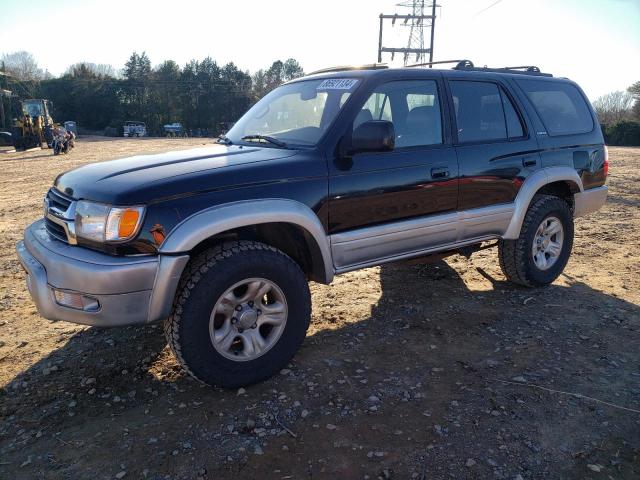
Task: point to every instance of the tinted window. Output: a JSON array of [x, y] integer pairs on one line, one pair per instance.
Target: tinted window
[[514, 126], [560, 105], [412, 106], [479, 113], [484, 112]]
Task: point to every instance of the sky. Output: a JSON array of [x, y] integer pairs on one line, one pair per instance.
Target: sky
[[594, 42]]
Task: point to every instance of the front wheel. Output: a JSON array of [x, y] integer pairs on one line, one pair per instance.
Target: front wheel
[[241, 313], [538, 256]]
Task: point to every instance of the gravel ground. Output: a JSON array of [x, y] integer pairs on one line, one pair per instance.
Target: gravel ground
[[440, 370]]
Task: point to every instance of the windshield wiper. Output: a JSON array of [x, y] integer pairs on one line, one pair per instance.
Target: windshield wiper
[[266, 138], [224, 140]]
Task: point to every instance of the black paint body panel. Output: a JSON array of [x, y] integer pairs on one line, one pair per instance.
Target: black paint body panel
[[346, 192]]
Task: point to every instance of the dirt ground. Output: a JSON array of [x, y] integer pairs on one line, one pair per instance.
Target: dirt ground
[[438, 370]]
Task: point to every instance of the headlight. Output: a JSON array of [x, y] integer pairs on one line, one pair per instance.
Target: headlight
[[103, 223]]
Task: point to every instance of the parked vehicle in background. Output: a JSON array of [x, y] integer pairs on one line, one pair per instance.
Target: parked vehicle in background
[[63, 140], [174, 130], [198, 132], [340, 170], [135, 129], [71, 126], [5, 139]]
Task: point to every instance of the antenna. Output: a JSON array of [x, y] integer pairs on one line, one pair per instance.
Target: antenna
[[417, 20]]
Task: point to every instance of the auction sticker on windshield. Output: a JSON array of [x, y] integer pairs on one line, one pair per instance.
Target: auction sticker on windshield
[[338, 84]]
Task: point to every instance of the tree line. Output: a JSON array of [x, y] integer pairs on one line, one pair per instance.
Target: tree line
[[619, 115], [201, 95]]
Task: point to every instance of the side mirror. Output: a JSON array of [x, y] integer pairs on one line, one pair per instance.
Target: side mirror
[[373, 136]]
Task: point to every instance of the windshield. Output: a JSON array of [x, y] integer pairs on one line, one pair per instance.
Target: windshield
[[296, 114], [33, 108]]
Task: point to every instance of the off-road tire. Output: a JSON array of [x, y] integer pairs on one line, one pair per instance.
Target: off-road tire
[[516, 259], [206, 278]]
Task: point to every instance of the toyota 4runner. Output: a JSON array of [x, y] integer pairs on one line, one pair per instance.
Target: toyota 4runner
[[340, 170]]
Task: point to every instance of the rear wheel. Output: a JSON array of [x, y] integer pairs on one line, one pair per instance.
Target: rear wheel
[[538, 256], [240, 315]]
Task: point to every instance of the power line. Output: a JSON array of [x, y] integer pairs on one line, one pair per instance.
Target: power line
[[486, 8]]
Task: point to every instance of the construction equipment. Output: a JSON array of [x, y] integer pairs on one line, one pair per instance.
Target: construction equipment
[[32, 125]]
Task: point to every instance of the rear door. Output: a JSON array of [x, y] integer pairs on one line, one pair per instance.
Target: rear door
[[495, 145]]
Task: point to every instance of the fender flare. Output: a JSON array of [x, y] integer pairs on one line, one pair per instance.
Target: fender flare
[[220, 218], [530, 187]]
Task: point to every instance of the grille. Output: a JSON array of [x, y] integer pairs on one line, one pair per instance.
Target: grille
[[55, 230], [58, 200], [58, 205]]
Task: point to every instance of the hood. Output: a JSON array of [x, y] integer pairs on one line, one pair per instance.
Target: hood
[[148, 178]]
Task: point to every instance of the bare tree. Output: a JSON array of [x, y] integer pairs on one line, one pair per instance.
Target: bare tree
[[23, 66], [97, 69], [614, 107], [634, 90]]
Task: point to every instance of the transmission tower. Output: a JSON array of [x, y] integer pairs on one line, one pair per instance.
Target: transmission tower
[[416, 21], [416, 33]]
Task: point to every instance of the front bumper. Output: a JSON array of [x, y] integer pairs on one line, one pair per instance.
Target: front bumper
[[128, 290]]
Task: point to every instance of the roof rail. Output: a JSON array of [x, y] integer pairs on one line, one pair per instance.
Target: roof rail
[[342, 68], [522, 69], [527, 68], [468, 65], [459, 64]]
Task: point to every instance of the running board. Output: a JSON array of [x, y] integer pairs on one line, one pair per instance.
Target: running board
[[455, 247]]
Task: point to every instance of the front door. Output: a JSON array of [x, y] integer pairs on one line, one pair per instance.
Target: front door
[[394, 193]]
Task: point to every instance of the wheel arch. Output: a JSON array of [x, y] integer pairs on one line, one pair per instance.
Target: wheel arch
[[284, 224], [563, 182]]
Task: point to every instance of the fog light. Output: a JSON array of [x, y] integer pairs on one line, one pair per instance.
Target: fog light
[[76, 300]]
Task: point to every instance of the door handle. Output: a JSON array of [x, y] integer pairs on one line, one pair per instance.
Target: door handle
[[529, 162], [439, 173]]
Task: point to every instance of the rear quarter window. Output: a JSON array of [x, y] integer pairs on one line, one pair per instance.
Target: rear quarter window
[[561, 107]]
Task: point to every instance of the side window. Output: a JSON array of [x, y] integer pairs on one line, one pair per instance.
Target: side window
[[412, 106], [514, 126], [561, 107], [479, 111], [379, 106], [484, 112]]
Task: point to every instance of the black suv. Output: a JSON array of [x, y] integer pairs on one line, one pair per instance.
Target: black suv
[[340, 170]]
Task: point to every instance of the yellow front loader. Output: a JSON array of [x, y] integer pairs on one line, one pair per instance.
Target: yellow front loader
[[33, 125]]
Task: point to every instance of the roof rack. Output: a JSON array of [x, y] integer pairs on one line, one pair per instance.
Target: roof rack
[[468, 65], [459, 64], [342, 68], [522, 69]]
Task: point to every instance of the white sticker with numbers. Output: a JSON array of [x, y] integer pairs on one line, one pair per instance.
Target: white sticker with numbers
[[338, 84]]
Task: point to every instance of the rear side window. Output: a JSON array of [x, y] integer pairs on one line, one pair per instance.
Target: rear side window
[[484, 112], [561, 107], [514, 127]]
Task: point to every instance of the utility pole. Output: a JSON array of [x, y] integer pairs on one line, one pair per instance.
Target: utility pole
[[433, 29], [417, 20]]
